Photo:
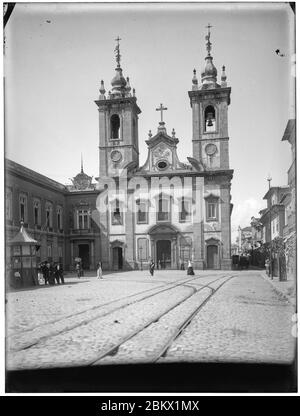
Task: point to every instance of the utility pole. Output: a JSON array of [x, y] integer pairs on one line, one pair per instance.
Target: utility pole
[[270, 225]]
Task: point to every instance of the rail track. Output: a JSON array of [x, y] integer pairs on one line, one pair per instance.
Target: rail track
[[113, 351], [68, 324]]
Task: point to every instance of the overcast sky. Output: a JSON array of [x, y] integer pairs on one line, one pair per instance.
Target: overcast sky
[[57, 54]]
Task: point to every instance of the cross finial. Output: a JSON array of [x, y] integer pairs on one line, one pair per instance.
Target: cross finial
[[207, 37], [161, 109], [117, 50], [269, 180], [208, 27]]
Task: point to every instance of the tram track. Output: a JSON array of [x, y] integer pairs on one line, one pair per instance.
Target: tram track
[[113, 351], [16, 338]]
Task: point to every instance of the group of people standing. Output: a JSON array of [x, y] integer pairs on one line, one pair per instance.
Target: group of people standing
[[51, 273], [190, 269]]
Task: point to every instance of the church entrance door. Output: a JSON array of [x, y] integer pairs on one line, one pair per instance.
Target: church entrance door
[[84, 254], [163, 254], [117, 258], [212, 257]]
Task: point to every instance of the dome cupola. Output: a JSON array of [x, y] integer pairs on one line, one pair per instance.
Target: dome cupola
[[209, 73]]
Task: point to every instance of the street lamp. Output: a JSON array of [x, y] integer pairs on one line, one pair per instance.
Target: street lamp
[[270, 225]]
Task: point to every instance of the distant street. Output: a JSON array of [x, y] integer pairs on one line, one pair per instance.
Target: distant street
[[130, 317]]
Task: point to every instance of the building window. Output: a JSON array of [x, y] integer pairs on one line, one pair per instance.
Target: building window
[[59, 218], [142, 212], [210, 119], [8, 205], [37, 212], [115, 126], [143, 249], [49, 215], [83, 219], [185, 214], [163, 212], [60, 253], [273, 200], [186, 246], [23, 207], [49, 251], [212, 209], [117, 215]]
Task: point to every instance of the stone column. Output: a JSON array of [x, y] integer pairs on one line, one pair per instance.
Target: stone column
[[129, 233], [92, 246], [198, 238], [152, 251], [72, 255], [225, 227]]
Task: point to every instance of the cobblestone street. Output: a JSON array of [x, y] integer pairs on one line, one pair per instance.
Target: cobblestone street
[[131, 317]]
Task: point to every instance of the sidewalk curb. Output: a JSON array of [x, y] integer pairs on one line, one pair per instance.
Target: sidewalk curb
[[290, 299]]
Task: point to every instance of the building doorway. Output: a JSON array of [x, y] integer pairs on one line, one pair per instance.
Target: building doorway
[[163, 254], [212, 257], [84, 254], [117, 258]]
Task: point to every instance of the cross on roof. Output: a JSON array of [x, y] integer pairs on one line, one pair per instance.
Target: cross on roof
[[117, 50], [208, 27], [161, 109]]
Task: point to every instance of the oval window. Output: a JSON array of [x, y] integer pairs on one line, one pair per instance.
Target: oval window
[[162, 165]]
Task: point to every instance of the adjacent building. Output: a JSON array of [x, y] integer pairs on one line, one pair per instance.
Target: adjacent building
[[289, 202]]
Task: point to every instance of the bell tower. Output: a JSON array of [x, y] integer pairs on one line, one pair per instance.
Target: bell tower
[[209, 102], [118, 123]]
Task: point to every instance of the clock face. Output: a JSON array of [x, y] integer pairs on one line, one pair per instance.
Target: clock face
[[116, 156], [210, 149]]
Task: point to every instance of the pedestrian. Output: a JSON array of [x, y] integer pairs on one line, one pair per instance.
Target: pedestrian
[[99, 270], [190, 270], [77, 267], [151, 267], [18, 279], [267, 266], [57, 273], [41, 279], [61, 273], [44, 271], [51, 273], [181, 262], [81, 270]]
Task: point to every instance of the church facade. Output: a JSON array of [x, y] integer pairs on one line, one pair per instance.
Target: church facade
[[165, 209]]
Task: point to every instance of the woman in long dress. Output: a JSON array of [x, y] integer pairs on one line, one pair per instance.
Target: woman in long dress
[[99, 270], [190, 270], [151, 267]]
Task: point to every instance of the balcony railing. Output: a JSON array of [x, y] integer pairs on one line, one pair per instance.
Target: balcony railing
[[81, 231]]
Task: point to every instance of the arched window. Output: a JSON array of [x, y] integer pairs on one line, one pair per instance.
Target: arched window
[[185, 213], [115, 126], [142, 211], [163, 212], [117, 214], [210, 118], [212, 208]]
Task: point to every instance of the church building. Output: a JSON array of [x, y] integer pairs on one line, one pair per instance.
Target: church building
[[164, 209]]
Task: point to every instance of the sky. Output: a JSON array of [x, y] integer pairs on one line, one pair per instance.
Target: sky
[[56, 55]]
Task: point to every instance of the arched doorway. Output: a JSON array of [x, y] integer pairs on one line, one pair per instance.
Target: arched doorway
[[163, 253], [117, 258], [212, 257]]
